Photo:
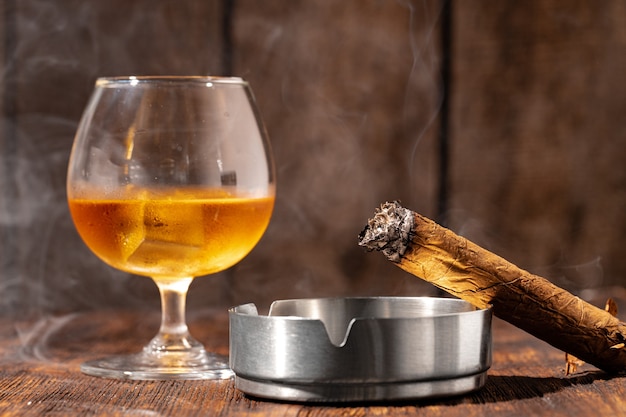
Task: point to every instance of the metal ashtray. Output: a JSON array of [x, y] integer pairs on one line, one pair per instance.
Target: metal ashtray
[[360, 349]]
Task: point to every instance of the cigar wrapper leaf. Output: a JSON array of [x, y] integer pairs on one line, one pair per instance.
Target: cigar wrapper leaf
[[463, 269]]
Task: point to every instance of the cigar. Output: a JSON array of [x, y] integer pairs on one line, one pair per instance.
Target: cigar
[[460, 267]]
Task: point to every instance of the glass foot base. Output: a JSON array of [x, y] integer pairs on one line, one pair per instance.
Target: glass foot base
[[142, 366]]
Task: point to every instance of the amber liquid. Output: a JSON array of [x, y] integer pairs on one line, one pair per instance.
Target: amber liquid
[[170, 236]]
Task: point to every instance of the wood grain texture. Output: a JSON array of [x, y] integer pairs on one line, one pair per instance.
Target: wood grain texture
[[350, 93], [57, 51], [537, 145], [39, 375]]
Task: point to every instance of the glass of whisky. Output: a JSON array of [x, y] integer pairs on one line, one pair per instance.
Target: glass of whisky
[[170, 178]]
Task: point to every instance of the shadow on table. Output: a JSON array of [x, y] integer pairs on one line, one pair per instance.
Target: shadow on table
[[499, 388]]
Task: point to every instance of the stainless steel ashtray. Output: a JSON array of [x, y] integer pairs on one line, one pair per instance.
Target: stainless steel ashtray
[[360, 349]]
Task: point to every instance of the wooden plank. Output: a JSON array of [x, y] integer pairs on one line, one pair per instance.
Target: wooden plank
[[8, 188], [538, 137], [350, 93], [60, 48]]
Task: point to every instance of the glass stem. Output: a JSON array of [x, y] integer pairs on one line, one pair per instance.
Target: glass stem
[[173, 335]]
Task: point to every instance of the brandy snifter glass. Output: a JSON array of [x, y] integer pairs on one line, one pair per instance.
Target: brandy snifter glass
[[170, 178]]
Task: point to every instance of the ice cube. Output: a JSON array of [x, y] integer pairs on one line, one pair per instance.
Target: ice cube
[[131, 228], [174, 221], [164, 258]]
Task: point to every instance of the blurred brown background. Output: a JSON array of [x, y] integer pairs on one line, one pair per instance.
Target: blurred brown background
[[504, 120]]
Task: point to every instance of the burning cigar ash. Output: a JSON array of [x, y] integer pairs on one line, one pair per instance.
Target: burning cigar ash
[[388, 231], [458, 266]]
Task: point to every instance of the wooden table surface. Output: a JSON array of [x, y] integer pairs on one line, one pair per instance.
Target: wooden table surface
[[39, 375]]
